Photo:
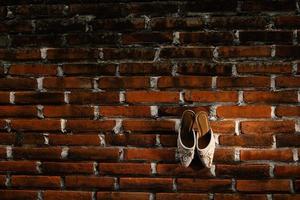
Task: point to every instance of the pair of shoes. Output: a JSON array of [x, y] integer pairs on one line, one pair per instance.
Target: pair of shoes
[[188, 139]]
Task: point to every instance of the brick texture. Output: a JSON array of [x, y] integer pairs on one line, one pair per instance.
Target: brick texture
[[92, 93]]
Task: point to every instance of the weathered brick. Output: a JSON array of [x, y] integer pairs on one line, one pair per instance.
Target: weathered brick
[[246, 140], [287, 82], [89, 182], [67, 83], [33, 69], [117, 83], [258, 111], [89, 69], [128, 53], [35, 181], [263, 185], [149, 125], [18, 111], [92, 39], [74, 140], [211, 96], [288, 140], [156, 184], [123, 195], [72, 54], [94, 97], [288, 111], [93, 153], [61, 195], [35, 125], [184, 82], [180, 196], [287, 171], [240, 196], [24, 167], [18, 84], [41, 153], [178, 170], [210, 38], [271, 97], [287, 21], [68, 111], [264, 68], [287, 51], [259, 127], [67, 167], [124, 111], [267, 154], [150, 154], [237, 22], [39, 98], [141, 69], [243, 170], [147, 38], [152, 97], [187, 53], [204, 69], [244, 51], [258, 82], [139, 140], [124, 169], [89, 125], [203, 185], [18, 194], [266, 37]]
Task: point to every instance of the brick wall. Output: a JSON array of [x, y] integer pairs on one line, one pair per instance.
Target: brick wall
[[91, 96]]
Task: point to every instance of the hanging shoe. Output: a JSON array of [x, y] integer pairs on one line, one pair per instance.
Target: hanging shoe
[[186, 141], [205, 139]]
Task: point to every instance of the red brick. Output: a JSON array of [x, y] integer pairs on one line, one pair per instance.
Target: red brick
[[39, 153], [287, 21], [267, 154], [184, 82], [51, 40], [149, 125], [18, 111], [18, 194], [178, 170], [33, 69], [259, 127], [287, 51], [246, 140], [243, 82], [67, 83], [74, 140], [243, 170], [24, 167], [35, 125], [93, 153], [132, 82], [16, 26], [3, 153], [203, 185], [121, 24], [156, 184], [141, 69], [89, 182], [4, 97], [39, 11], [94, 97], [288, 140], [271, 97], [149, 154], [286, 196], [67, 167], [240, 196], [147, 38], [210, 38], [266, 37], [2, 124], [7, 138], [177, 111], [72, 54], [140, 140], [244, 51], [287, 82], [128, 53], [152, 97], [35, 181], [288, 111], [20, 54], [125, 111], [223, 126], [204, 69], [264, 68], [181, 196], [2, 180], [39, 97], [258, 111], [224, 155], [30, 138], [287, 171], [258, 6], [18, 84], [89, 69], [125, 169], [90, 125], [62, 195], [123, 195], [168, 140], [263, 185], [297, 185], [92, 39], [209, 6], [175, 23], [237, 22], [211, 96], [186, 52], [71, 111]]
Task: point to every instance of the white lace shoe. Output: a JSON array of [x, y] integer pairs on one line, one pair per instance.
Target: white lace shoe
[[206, 143], [186, 141]]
